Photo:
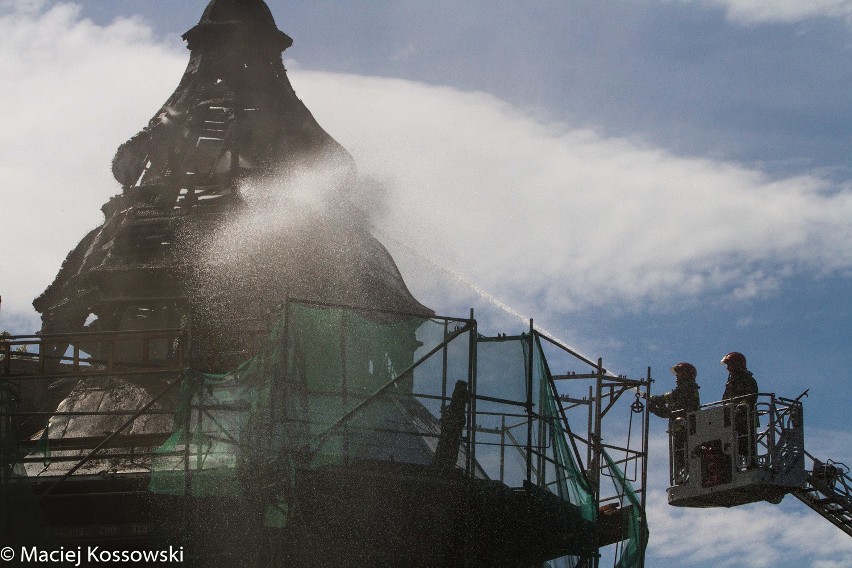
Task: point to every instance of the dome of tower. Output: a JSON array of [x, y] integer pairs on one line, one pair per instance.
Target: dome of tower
[[237, 11], [224, 16]]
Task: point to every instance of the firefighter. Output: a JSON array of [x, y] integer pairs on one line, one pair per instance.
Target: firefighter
[[741, 385], [741, 394], [674, 405], [684, 397]]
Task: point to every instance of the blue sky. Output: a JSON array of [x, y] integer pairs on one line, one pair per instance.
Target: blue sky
[[652, 181]]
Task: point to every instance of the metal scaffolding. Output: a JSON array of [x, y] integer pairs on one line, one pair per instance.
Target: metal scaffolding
[[459, 398]]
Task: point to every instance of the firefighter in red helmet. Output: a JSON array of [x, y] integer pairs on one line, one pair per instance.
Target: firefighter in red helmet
[[741, 394], [741, 385], [684, 397], [675, 405]]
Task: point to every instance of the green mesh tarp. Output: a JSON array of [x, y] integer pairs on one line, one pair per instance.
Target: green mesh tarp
[[562, 474], [335, 387], [293, 401], [632, 549], [567, 476]]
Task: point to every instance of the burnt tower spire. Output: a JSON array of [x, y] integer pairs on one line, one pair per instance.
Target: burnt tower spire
[[234, 109], [234, 120]]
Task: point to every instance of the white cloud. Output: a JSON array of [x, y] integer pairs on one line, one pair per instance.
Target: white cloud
[[757, 535], [786, 11], [72, 92], [546, 212]]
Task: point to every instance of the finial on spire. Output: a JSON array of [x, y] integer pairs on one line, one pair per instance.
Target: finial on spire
[[224, 17], [237, 11]]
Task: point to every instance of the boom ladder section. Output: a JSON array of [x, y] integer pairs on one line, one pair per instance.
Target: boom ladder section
[[828, 491]]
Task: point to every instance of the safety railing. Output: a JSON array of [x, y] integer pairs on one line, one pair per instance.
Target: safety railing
[[33, 366], [776, 447], [51, 356]]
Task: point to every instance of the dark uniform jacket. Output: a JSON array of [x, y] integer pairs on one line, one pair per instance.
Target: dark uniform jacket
[[684, 397], [741, 383]]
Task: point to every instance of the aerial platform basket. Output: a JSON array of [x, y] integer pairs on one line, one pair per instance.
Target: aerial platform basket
[[721, 456]]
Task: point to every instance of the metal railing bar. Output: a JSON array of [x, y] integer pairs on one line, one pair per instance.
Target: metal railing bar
[[320, 438], [127, 423], [72, 413], [92, 374], [88, 442], [111, 335], [64, 459]]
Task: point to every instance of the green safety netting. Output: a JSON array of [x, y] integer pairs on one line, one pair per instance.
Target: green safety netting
[[566, 478], [335, 386], [632, 548], [290, 402], [571, 485]]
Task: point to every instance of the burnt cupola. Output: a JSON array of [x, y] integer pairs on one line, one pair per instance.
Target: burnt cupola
[[234, 109], [229, 23], [234, 121]]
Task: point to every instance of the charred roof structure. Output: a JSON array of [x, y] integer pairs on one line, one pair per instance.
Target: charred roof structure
[[233, 122]]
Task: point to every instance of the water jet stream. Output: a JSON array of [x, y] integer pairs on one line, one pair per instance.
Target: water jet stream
[[484, 294]]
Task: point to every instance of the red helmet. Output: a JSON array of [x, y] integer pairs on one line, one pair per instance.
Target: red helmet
[[737, 360], [686, 369]]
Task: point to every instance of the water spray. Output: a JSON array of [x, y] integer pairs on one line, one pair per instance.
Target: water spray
[[484, 294]]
